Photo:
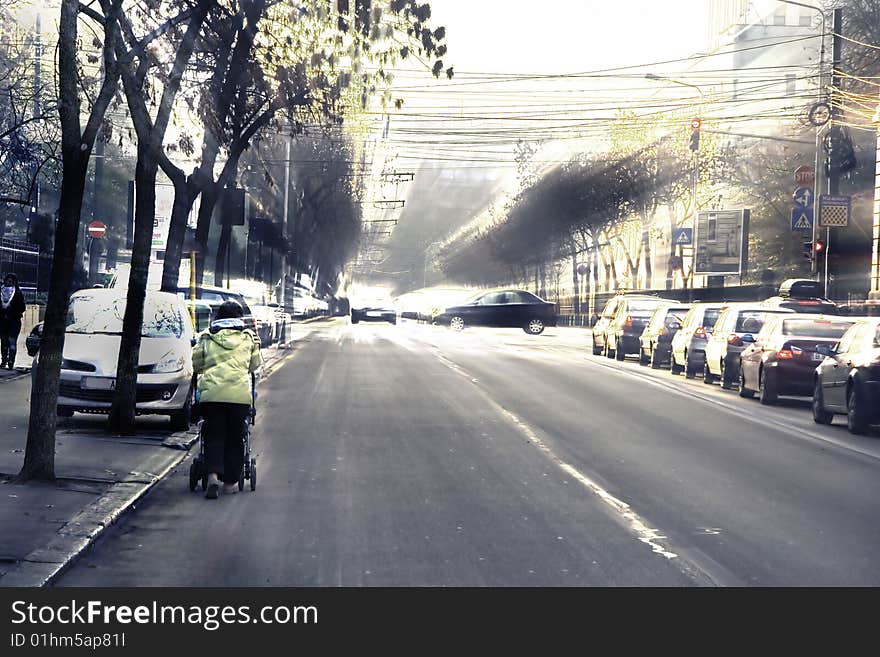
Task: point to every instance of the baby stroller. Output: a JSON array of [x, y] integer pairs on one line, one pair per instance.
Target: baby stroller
[[198, 471]]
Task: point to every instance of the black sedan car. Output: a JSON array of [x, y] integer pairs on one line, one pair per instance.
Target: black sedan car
[[848, 380], [374, 312], [782, 358], [501, 308]]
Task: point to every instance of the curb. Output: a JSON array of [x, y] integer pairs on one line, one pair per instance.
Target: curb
[[20, 374], [45, 564]]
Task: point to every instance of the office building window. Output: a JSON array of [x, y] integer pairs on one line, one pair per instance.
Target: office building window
[[805, 20], [779, 17]]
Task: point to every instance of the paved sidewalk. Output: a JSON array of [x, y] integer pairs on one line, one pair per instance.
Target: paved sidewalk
[[99, 477]]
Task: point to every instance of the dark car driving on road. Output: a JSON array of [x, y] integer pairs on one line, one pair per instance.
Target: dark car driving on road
[[656, 339], [501, 308], [781, 359], [848, 380]]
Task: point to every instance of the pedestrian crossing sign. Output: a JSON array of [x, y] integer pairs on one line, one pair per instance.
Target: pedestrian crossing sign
[[802, 218], [683, 236]]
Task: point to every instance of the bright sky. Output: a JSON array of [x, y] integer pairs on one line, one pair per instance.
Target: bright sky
[[556, 36]]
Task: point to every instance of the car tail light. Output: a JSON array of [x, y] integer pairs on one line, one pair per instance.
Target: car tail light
[[735, 340], [629, 322], [784, 354], [700, 332]]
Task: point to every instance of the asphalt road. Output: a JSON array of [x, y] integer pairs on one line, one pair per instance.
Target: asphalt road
[[409, 455]]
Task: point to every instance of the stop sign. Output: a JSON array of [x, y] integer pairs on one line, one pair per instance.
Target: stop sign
[[97, 229], [805, 175]]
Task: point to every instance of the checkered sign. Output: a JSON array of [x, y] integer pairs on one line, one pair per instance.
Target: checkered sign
[[834, 211]]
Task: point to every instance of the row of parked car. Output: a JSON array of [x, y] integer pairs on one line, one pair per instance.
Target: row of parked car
[[170, 326], [794, 344]]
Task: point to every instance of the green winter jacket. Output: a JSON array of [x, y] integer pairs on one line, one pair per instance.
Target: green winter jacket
[[224, 358]]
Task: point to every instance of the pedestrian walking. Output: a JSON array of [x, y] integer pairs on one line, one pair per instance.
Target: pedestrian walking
[[11, 309], [225, 356]]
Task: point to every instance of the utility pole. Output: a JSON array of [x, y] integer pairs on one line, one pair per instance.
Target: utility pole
[[833, 174], [283, 302]]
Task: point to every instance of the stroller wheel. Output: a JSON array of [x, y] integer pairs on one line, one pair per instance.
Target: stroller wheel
[[241, 480], [253, 474], [204, 482], [193, 476]]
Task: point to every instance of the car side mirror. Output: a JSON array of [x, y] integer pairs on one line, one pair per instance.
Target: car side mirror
[[748, 337], [673, 326]]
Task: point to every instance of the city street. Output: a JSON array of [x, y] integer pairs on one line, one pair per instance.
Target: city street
[[412, 455]]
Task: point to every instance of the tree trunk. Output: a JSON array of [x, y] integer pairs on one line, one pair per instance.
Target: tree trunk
[[39, 458], [575, 280], [122, 412], [184, 197], [76, 149]]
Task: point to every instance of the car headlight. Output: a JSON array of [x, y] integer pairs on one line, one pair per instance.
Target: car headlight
[[169, 363]]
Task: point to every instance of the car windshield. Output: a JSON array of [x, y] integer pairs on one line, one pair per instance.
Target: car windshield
[[676, 315], [750, 321], [710, 317], [90, 315], [814, 328], [642, 308]]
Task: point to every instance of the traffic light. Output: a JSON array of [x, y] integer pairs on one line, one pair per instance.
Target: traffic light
[[816, 247], [695, 134], [819, 246]]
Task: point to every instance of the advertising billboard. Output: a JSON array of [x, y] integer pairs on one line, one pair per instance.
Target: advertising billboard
[[721, 242]]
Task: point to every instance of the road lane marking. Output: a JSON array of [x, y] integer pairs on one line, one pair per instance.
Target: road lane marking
[[643, 532]]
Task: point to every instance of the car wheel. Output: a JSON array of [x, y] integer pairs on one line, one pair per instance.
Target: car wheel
[[768, 389], [655, 361], [726, 378], [644, 359], [457, 323], [743, 391], [180, 419], [708, 377], [619, 353], [820, 415], [674, 368], [690, 372], [534, 327], [597, 350], [609, 352], [354, 320], [857, 411]]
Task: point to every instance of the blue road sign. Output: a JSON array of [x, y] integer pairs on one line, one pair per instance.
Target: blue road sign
[[802, 219], [803, 196], [683, 236]]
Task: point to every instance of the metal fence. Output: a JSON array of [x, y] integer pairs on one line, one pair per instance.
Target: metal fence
[[22, 259]]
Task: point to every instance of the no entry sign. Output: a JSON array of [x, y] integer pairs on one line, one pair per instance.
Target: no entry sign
[[97, 229]]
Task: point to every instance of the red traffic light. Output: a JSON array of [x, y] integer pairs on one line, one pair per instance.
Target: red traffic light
[[818, 246], [696, 123]]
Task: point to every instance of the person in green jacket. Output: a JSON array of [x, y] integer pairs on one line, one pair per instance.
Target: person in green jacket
[[225, 357]]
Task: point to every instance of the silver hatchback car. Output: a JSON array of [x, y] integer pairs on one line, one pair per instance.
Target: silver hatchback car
[[91, 350]]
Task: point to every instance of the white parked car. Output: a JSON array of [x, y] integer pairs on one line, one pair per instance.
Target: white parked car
[[91, 351]]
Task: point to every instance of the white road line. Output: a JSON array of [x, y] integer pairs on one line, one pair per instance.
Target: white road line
[[644, 533]]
